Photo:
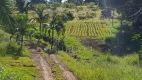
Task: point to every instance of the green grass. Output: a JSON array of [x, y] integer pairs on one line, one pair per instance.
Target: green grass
[[15, 64], [57, 73], [102, 68], [93, 65]]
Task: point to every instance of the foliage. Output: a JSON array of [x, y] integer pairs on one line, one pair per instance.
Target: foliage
[[102, 70], [55, 5], [90, 29], [38, 1], [68, 5], [66, 16], [79, 8], [22, 5], [128, 39], [77, 2], [91, 5], [57, 24], [14, 65], [6, 19]]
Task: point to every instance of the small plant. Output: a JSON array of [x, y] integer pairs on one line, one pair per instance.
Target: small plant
[[91, 5], [68, 5]]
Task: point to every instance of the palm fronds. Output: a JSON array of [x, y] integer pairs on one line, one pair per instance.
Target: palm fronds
[[6, 19]]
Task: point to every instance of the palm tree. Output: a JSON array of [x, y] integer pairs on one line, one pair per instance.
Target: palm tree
[[22, 26], [56, 24], [39, 9], [6, 19]]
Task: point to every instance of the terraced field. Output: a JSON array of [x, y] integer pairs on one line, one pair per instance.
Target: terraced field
[[87, 29]]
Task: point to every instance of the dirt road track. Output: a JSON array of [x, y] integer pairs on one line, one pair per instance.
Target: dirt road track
[[65, 72], [42, 65]]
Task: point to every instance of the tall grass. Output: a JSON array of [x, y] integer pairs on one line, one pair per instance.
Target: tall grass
[[101, 69], [15, 64], [93, 65]]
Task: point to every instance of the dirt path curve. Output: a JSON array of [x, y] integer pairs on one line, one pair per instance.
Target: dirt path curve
[[42, 65], [65, 72]]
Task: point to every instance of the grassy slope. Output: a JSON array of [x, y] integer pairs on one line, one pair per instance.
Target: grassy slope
[[94, 66], [12, 68]]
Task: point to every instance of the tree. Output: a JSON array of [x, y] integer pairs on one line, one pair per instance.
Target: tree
[[6, 19], [39, 9], [129, 37], [38, 1], [21, 26], [56, 24], [52, 1], [77, 2]]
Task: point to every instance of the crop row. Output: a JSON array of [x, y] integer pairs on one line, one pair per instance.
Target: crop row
[[89, 29]]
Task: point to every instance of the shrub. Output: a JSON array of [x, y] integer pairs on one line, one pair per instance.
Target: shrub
[[79, 8], [90, 15], [131, 60], [82, 17], [55, 5], [91, 5], [6, 74], [68, 5]]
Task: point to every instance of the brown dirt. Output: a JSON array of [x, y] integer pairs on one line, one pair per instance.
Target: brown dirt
[[44, 68], [42, 65], [65, 72]]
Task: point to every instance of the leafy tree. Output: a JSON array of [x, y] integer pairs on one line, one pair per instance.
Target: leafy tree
[[56, 24], [77, 2], [52, 1], [38, 1], [88, 1], [129, 37], [39, 9], [6, 19], [22, 6], [22, 25]]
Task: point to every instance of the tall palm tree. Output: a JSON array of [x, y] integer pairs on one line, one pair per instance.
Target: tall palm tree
[[56, 25], [39, 9], [6, 19]]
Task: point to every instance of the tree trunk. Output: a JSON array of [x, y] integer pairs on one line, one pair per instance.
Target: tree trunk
[[52, 38], [112, 17], [22, 41], [40, 32]]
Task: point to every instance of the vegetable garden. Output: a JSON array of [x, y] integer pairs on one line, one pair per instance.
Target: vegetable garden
[[87, 29]]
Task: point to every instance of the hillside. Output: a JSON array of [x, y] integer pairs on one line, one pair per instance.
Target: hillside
[[74, 40]]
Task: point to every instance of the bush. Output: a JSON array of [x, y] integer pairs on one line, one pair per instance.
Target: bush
[[6, 74], [68, 5], [55, 5], [91, 5], [131, 60], [90, 15], [66, 16], [79, 8], [100, 71], [82, 17]]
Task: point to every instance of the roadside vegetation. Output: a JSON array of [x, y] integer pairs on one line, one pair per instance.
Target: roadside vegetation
[[15, 64], [95, 40]]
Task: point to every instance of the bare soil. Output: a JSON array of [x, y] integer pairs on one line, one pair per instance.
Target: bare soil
[[42, 65], [65, 72]]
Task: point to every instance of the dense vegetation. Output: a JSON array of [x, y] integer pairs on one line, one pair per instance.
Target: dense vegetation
[[88, 29], [57, 27], [15, 63]]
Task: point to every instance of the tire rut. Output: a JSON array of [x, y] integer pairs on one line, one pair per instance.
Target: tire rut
[[65, 72], [42, 65]]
